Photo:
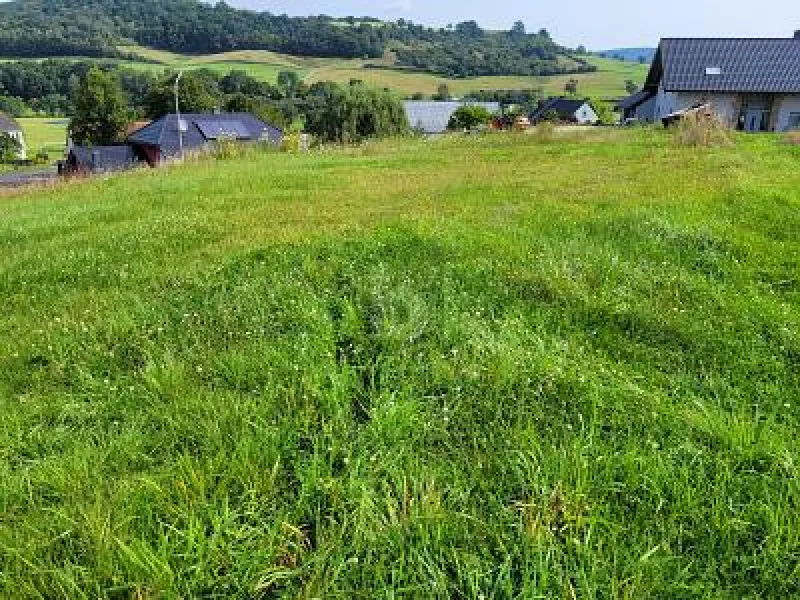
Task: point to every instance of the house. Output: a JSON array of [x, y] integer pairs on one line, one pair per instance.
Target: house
[[167, 137], [11, 127], [85, 160], [432, 117], [752, 84], [568, 110]]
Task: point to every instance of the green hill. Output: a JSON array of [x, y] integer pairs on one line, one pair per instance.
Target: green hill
[[40, 28], [487, 366]]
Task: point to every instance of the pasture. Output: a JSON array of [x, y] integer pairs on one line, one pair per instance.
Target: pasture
[[608, 81], [502, 366], [45, 135]]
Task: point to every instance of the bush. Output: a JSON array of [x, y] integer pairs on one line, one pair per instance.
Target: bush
[[702, 129], [469, 116]]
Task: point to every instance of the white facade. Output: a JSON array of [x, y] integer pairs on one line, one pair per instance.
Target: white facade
[[18, 135], [585, 115], [779, 112]]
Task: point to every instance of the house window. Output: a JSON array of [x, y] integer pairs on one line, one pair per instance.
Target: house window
[[794, 120]]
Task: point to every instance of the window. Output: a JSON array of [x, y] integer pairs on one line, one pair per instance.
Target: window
[[794, 120], [713, 70]]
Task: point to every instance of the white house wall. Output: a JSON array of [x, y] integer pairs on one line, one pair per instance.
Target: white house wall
[[17, 135], [585, 115], [785, 107], [726, 106]]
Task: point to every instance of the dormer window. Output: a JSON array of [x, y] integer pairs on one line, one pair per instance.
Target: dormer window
[[713, 71]]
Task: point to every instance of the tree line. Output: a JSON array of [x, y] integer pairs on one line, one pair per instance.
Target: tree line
[[100, 28], [333, 113]]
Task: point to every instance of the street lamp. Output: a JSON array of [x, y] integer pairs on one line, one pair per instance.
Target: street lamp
[[178, 114]]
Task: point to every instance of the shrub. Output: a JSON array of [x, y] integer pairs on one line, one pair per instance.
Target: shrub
[[702, 129], [793, 137], [469, 116]]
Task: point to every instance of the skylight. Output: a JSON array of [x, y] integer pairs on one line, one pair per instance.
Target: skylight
[[713, 71]]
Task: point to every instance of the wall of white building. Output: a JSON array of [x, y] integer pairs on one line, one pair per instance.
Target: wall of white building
[[585, 115], [726, 106], [18, 135]]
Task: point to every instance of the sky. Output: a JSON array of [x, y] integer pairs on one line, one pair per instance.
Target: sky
[[596, 24]]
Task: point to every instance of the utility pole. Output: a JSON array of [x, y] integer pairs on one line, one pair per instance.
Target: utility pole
[[178, 114]]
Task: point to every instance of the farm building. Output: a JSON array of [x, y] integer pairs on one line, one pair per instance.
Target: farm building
[[432, 117], [752, 84], [568, 110], [10, 127], [165, 138], [99, 159]]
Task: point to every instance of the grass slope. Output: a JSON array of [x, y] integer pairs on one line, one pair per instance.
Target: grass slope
[[44, 134], [375, 373], [609, 81]]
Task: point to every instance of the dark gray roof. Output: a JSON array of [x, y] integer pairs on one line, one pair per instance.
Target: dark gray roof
[[636, 99], [201, 128], [563, 107], [102, 158], [7, 124], [748, 65], [432, 116]]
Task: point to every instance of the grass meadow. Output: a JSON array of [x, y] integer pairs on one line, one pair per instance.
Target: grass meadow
[[607, 82], [484, 367], [45, 135]]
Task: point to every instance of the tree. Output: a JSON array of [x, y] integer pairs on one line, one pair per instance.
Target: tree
[[9, 147], [518, 28], [469, 116], [443, 92], [264, 110], [605, 114], [571, 87], [631, 87], [288, 82], [101, 110], [354, 113], [197, 92]]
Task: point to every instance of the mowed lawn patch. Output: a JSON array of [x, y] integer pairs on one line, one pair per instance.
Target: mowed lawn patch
[[500, 366]]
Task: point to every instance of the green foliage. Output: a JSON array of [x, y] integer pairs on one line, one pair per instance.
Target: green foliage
[[631, 87], [354, 113], [101, 110], [604, 111], [443, 92], [288, 81], [422, 369], [265, 110], [9, 147], [469, 116], [197, 92], [66, 28]]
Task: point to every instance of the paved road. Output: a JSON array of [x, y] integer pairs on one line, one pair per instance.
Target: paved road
[[27, 177]]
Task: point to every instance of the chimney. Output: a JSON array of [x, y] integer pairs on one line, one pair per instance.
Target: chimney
[[797, 34]]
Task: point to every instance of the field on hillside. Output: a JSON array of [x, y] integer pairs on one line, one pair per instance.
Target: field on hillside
[[568, 370], [609, 81], [45, 134]]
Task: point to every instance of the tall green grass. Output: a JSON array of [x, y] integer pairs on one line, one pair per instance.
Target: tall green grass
[[484, 367]]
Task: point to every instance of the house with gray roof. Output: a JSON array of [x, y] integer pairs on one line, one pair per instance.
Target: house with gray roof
[[167, 137], [10, 127], [431, 117], [567, 110], [752, 84]]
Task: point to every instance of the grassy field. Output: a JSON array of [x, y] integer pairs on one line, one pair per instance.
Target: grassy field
[[571, 370], [609, 81], [45, 134]]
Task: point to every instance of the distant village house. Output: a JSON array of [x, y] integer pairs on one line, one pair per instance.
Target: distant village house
[[566, 110], [167, 138], [432, 117], [10, 127]]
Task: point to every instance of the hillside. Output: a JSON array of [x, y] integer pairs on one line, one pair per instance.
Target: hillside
[[47, 28], [637, 55], [560, 372]]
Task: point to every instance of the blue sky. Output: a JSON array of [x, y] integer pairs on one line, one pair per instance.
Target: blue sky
[[597, 24]]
